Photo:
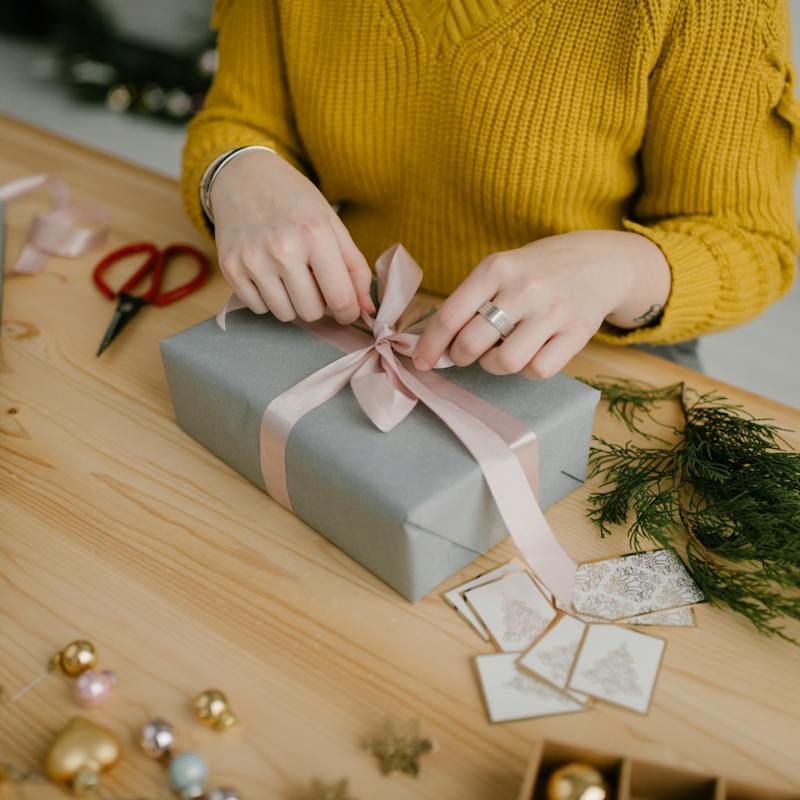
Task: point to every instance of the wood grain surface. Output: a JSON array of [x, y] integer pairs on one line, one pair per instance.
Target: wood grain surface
[[117, 527]]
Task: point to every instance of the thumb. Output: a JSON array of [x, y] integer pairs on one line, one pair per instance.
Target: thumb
[[360, 273]]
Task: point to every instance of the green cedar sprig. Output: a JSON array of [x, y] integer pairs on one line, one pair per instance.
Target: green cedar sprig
[[724, 487]]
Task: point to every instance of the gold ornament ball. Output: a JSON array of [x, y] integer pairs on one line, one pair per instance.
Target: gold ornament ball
[[77, 657], [577, 782], [211, 707]]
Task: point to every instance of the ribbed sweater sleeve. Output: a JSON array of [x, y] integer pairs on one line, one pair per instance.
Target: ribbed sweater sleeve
[[717, 165], [248, 102]]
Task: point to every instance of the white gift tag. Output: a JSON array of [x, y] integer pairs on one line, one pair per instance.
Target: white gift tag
[[455, 596], [618, 665], [619, 588], [512, 694], [512, 609], [551, 657]]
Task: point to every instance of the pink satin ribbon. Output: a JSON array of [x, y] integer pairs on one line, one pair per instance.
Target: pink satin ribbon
[[69, 229], [387, 390]]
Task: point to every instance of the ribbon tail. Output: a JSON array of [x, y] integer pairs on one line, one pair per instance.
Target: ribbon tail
[[30, 260], [287, 408], [509, 486], [233, 304], [13, 189], [385, 404]]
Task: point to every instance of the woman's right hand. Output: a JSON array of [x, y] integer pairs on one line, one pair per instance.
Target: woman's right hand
[[282, 247]]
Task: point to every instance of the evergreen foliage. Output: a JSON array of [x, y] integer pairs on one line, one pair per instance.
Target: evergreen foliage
[[724, 488]]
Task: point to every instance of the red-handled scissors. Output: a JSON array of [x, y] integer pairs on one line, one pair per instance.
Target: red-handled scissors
[[156, 262]]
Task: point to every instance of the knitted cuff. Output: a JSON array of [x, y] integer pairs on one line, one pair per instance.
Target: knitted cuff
[[696, 286]]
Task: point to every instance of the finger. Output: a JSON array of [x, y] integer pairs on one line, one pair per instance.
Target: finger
[[262, 271], [303, 291], [355, 263], [334, 280], [453, 315], [556, 352], [473, 340], [479, 336], [514, 354], [248, 293], [275, 296]]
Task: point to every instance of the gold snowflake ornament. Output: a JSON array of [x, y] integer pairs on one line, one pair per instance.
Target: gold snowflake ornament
[[399, 748]]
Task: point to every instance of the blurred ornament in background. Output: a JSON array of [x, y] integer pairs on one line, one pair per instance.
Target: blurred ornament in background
[[223, 793], [187, 775], [577, 781], [77, 660], [153, 98], [93, 687], [178, 103], [88, 71], [79, 754], [157, 738], [338, 790], [212, 708], [399, 748], [112, 52], [11, 774], [208, 62], [119, 98], [76, 657]]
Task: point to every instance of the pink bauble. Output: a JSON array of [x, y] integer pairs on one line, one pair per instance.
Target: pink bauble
[[92, 688]]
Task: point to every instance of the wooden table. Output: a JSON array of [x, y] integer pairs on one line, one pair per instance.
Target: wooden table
[[117, 527]]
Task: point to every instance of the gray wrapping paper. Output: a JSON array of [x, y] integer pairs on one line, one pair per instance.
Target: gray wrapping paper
[[410, 505]]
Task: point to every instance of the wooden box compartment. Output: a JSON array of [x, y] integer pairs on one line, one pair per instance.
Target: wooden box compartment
[[633, 779], [657, 782]]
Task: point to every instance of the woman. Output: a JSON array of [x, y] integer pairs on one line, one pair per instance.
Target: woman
[[561, 169]]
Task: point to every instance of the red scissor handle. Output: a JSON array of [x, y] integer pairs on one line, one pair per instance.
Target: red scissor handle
[[156, 262], [118, 255], [171, 251]]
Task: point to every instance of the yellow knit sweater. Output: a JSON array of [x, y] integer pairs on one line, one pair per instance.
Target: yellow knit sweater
[[465, 127]]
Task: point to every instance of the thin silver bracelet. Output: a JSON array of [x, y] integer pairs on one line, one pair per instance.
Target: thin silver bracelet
[[214, 168]]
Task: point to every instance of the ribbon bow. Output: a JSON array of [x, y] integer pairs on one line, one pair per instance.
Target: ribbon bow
[[387, 390]]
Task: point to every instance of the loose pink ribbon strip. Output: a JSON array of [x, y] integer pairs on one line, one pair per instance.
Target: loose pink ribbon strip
[[69, 229], [387, 390]]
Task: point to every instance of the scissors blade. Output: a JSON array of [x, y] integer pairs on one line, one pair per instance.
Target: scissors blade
[[127, 308]]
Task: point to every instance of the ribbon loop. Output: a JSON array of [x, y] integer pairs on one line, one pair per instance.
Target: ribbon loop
[[68, 229], [388, 390]]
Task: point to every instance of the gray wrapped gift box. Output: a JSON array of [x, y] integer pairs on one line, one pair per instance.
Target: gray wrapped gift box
[[410, 505]]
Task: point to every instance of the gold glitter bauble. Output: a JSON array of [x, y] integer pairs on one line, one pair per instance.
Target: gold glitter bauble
[[77, 657], [211, 707], [577, 781]]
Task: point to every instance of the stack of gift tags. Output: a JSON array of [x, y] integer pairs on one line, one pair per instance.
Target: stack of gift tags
[[555, 662]]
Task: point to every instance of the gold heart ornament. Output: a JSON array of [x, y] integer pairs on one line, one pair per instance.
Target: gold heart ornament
[[80, 753]]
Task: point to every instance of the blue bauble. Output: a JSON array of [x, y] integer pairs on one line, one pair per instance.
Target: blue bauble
[[188, 773]]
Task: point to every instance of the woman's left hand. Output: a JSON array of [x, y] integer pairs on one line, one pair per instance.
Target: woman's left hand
[[558, 291]]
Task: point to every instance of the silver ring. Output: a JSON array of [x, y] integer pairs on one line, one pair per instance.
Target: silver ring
[[498, 318]]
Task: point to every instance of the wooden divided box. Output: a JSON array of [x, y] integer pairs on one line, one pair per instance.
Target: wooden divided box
[[633, 779]]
